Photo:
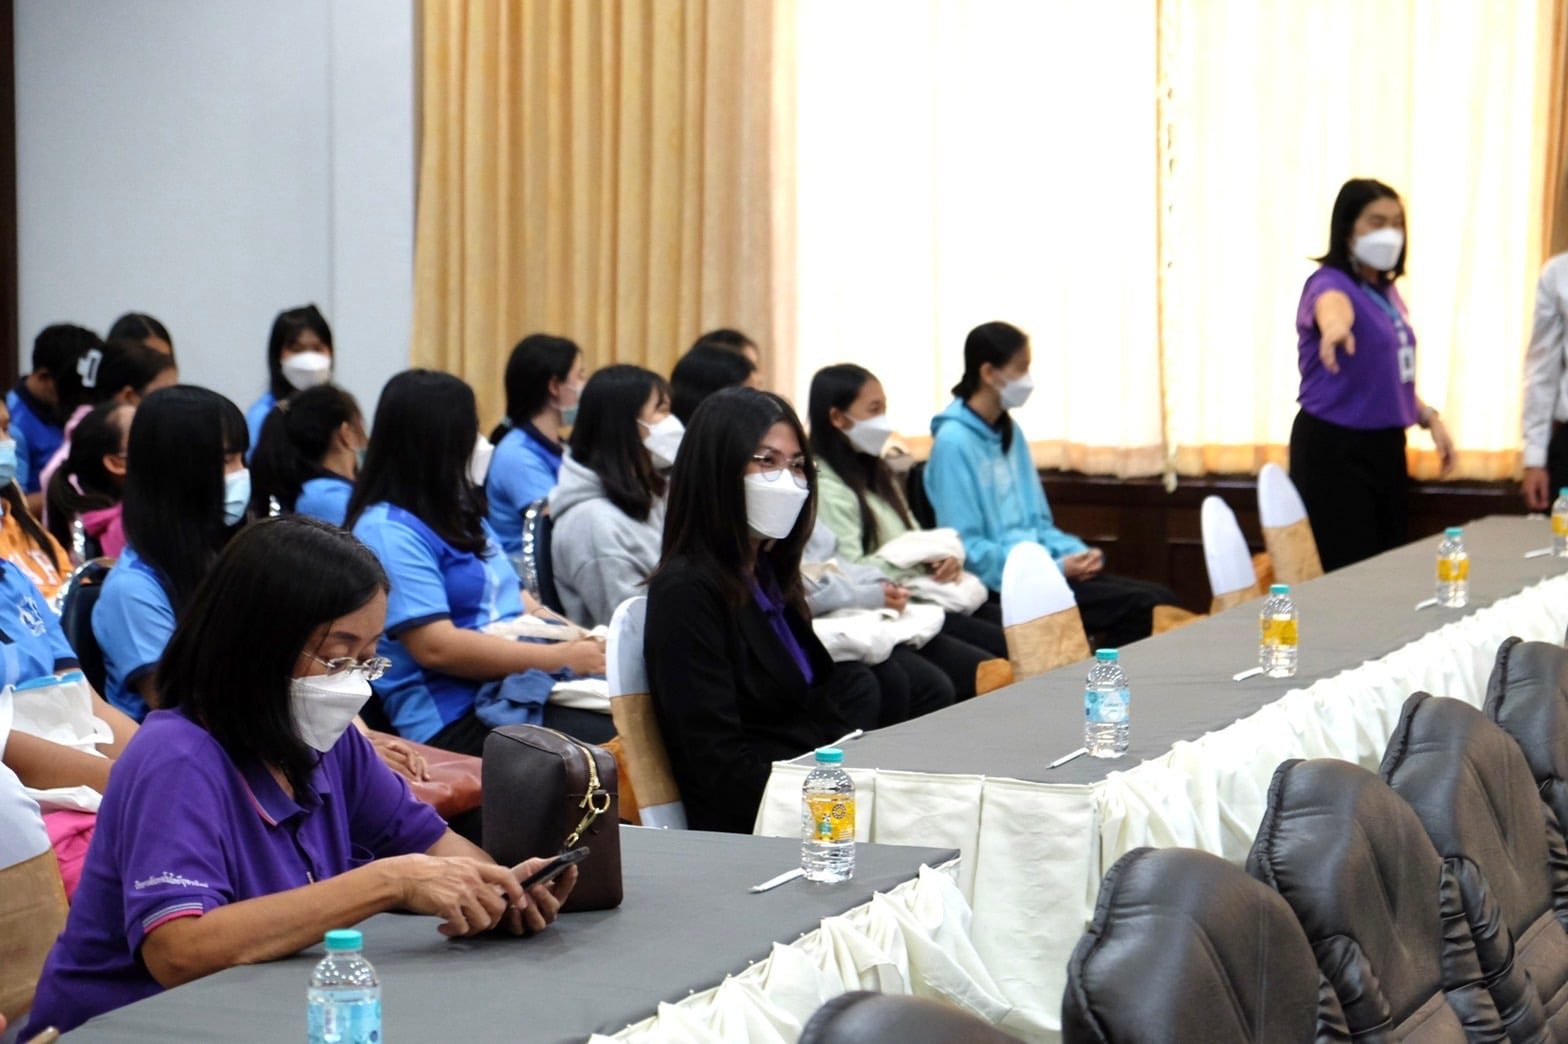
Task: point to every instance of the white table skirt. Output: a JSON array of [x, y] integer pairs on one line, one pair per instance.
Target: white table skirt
[[914, 939], [1033, 853]]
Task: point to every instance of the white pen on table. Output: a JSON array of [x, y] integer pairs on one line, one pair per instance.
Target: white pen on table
[[1250, 672], [773, 882], [845, 739], [1427, 604], [1065, 758], [1540, 552]]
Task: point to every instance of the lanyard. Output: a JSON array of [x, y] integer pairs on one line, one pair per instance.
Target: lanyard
[[1401, 328]]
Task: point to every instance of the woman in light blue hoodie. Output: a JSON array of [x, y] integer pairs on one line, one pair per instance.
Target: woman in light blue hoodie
[[981, 480]]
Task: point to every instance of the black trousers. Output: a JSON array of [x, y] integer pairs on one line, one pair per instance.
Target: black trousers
[[1354, 483], [467, 734], [1557, 460], [962, 646], [1117, 610], [911, 686]]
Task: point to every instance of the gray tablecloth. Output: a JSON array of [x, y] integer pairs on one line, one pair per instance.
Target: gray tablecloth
[[1181, 681], [687, 922]]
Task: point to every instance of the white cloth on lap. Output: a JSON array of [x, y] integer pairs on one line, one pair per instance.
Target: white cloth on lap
[[964, 595], [871, 635], [918, 546], [61, 713]]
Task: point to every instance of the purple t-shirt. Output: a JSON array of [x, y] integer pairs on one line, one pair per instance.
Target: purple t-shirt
[[183, 829], [1376, 387]]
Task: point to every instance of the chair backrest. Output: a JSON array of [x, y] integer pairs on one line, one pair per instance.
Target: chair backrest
[[32, 896], [1471, 787], [1286, 532], [78, 595], [535, 568], [1527, 695], [1354, 863], [1185, 947], [1231, 576], [631, 707], [1039, 614], [920, 505], [853, 1018]]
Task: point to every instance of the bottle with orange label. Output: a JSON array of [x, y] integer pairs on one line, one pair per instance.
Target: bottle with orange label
[[1560, 524], [1280, 635], [827, 814], [1453, 569]]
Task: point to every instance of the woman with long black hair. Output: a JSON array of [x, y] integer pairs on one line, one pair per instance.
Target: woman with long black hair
[[186, 493], [609, 506], [417, 507], [299, 356], [308, 455], [739, 678], [544, 385], [88, 485]]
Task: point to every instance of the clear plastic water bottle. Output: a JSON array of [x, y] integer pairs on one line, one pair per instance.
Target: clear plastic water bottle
[[1107, 706], [827, 820], [1277, 647], [1453, 569], [1560, 524], [345, 995]]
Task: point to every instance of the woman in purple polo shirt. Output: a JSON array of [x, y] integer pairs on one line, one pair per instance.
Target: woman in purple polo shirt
[[247, 816], [1358, 382]]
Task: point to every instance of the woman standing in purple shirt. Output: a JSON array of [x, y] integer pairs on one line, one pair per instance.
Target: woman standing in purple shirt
[[247, 817], [1358, 382]]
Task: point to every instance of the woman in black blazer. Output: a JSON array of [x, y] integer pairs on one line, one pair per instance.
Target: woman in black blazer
[[739, 679]]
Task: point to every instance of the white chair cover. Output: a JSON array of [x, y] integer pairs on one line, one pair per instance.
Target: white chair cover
[[1032, 585], [1225, 549], [623, 662], [628, 676], [1278, 502]]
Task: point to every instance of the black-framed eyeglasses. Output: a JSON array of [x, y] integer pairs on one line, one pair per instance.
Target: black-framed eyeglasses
[[774, 465], [370, 669]]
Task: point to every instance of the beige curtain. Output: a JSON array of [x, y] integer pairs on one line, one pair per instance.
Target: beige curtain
[[607, 170], [1555, 194]]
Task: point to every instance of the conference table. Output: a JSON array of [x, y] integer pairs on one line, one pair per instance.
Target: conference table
[[691, 954], [1035, 841]]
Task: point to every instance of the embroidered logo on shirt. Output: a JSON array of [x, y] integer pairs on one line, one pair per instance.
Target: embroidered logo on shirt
[[31, 616], [167, 878]]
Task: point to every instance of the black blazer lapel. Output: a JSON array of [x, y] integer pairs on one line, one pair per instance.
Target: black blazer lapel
[[764, 644]]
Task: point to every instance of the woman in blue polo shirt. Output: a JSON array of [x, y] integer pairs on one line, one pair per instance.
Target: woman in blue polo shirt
[[308, 455], [249, 816], [544, 381], [417, 508], [186, 490], [299, 356]]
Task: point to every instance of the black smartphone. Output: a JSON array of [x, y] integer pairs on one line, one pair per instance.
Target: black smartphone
[[556, 867]]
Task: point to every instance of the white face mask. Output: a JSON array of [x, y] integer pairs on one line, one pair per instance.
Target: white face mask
[[1016, 392], [870, 435], [664, 440], [307, 369], [1380, 249], [236, 495], [324, 706], [772, 507], [479, 461]]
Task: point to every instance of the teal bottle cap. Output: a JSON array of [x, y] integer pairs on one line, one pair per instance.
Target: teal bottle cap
[[1107, 655], [829, 756], [1279, 589], [344, 939], [1454, 531]]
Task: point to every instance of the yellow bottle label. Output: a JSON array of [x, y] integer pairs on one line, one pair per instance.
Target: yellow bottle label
[[1560, 525], [1279, 630], [1453, 570], [832, 816]]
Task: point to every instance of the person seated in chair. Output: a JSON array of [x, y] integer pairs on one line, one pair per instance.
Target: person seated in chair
[[89, 485], [738, 678], [308, 455], [421, 509], [248, 816]]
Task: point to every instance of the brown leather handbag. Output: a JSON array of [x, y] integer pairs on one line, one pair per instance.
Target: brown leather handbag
[[545, 793]]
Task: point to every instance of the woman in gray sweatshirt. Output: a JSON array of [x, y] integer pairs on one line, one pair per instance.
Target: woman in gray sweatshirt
[[608, 507]]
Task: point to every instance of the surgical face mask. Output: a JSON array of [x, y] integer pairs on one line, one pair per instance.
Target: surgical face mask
[[307, 369], [1016, 392], [479, 461], [236, 495], [569, 413], [359, 459], [7, 461], [870, 435], [773, 505], [324, 706], [1380, 249], [664, 440]]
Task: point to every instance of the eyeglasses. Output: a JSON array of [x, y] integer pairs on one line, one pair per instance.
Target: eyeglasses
[[775, 465], [371, 669]]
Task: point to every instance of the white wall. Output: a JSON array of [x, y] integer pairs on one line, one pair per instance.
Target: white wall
[[212, 162]]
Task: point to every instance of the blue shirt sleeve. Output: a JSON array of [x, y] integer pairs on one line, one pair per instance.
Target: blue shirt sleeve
[[954, 487], [35, 645], [133, 622], [418, 588], [24, 471], [518, 477]]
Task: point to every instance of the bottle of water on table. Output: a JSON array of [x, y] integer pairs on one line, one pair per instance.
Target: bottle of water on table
[[1277, 648], [345, 995], [1560, 524], [1107, 705], [827, 813], [1453, 569]]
